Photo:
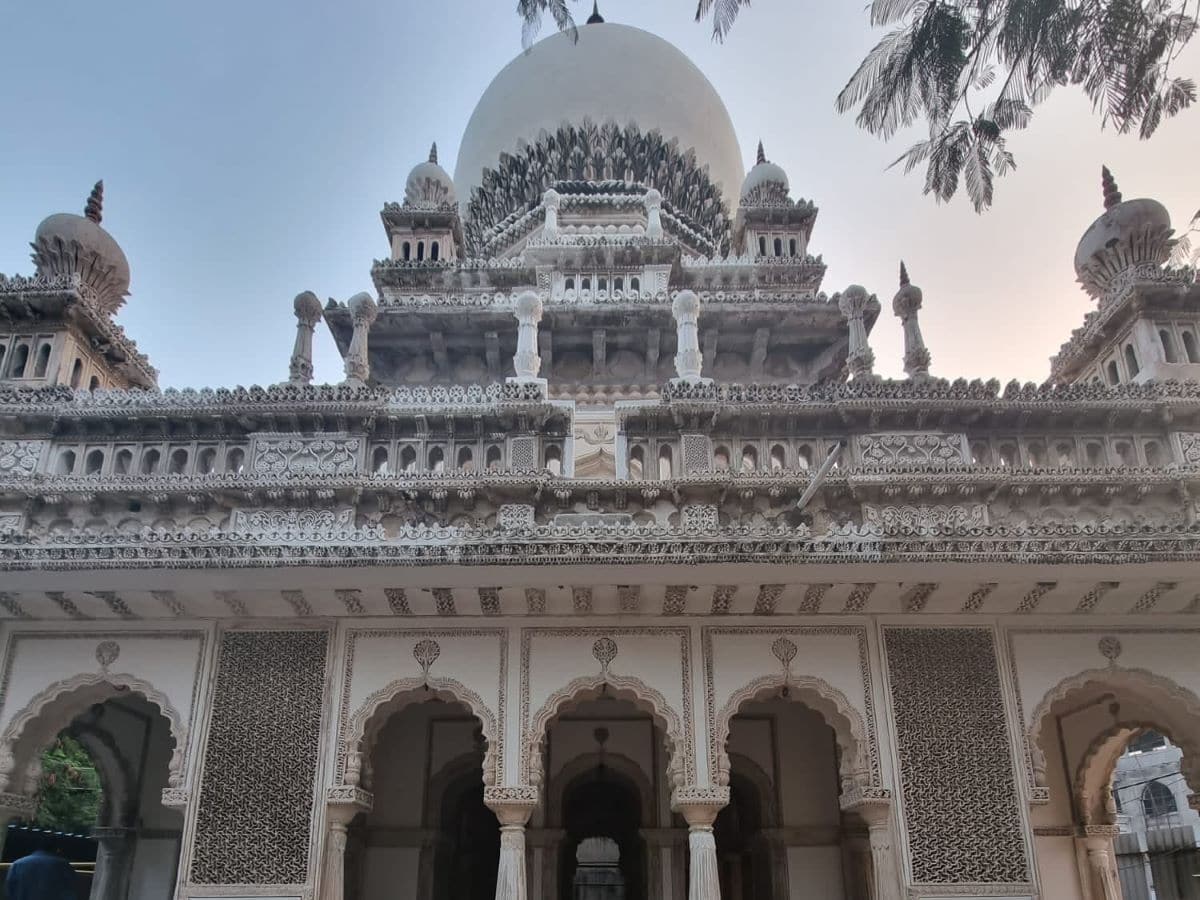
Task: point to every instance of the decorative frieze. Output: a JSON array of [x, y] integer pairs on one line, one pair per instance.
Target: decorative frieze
[[925, 518], [897, 449], [298, 522], [285, 455], [20, 458]]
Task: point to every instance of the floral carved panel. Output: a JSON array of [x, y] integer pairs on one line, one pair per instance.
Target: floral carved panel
[[285, 455], [895, 449], [957, 779], [18, 458], [257, 797]]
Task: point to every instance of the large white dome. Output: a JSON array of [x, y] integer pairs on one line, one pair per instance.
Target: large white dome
[[614, 72]]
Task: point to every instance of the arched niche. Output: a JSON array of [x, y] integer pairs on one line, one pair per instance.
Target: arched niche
[[580, 766], [57, 706], [680, 766], [1128, 701], [362, 729], [849, 730]]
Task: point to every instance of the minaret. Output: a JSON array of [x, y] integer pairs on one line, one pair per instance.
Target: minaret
[[905, 305], [860, 358]]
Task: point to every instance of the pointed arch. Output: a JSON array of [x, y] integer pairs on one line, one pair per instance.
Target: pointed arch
[[55, 707], [578, 766], [363, 727], [623, 687], [1163, 705], [848, 726]]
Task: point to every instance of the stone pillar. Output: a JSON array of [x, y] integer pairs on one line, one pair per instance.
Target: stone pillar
[[688, 359], [551, 201], [308, 313], [526, 362], [1101, 864], [860, 359], [342, 805], [699, 807], [876, 812], [358, 365], [114, 863], [513, 807], [906, 304], [654, 226]]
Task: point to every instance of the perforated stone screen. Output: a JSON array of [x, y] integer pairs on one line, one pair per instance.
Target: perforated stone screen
[[956, 771], [256, 799]]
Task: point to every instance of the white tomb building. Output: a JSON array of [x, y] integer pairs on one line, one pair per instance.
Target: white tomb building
[[611, 536]]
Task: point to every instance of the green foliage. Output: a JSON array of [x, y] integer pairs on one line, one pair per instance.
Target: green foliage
[[68, 793], [971, 72]]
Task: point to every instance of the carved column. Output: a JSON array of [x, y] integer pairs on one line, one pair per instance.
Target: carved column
[[114, 862], [342, 805], [860, 359], [308, 313], [513, 807], [363, 311], [551, 201], [876, 812], [688, 359], [654, 226], [1101, 863], [906, 304], [699, 808], [526, 362]]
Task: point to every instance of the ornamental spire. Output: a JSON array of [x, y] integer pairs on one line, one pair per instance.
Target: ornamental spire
[[903, 275], [595, 18], [433, 153], [95, 202], [762, 156], [1112, 196]]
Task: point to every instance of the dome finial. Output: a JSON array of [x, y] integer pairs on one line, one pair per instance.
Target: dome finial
[[95, 202], [1112, 196], [433, 153], [903, 275], [762, 156], [595, 18]]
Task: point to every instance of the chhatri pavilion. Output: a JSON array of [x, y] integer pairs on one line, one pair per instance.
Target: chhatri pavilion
[[612, 570]]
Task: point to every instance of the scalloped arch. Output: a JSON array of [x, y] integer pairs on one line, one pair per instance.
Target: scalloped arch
[[626, 687], [1173, 709], [848, 727], [63, 701], [362, 728]]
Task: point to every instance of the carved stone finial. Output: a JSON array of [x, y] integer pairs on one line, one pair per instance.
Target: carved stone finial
[[433, 153], [1112, 196], [903, 274], [95, 202], [762, 156], [595, 18]]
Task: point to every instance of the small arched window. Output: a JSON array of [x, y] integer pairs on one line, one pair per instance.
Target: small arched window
[[437, 460], [779, 246], [721, 459], [93, 463], [493, 458], [980, 454], [749, 459], [569, 283], [792, 247], [1131, 360], [1008, 455], [1095, 453], [1153, 453], [762, 246], [406, 250], [19, 360], [408, 460], [178, 463], [235, 461], [466, 459], [43, 361], [123, 463], [777, 458], [420, 251], [2, 349], [1157, 800], [93, 383], [1189, 347], [585, 283], [1168, 345], [434, 251], [1125, 453], [1064, 452], [379, 461], [618, 283], [554, 459], [1035, 453], [66, 462], [665, 462], [150, 462], [206, 462], [804, 457], [637, 461], [601, 283], [77, 373], [1114, 374], [635, 284]]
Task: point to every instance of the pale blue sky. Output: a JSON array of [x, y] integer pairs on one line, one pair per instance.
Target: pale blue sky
[[247, 149]]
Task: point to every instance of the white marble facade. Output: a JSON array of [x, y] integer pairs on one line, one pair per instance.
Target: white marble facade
[[610, 531]]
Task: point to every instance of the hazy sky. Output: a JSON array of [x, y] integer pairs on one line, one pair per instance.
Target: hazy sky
[[247, 148]]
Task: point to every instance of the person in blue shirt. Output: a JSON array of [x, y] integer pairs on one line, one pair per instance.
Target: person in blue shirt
[[42, 875]]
